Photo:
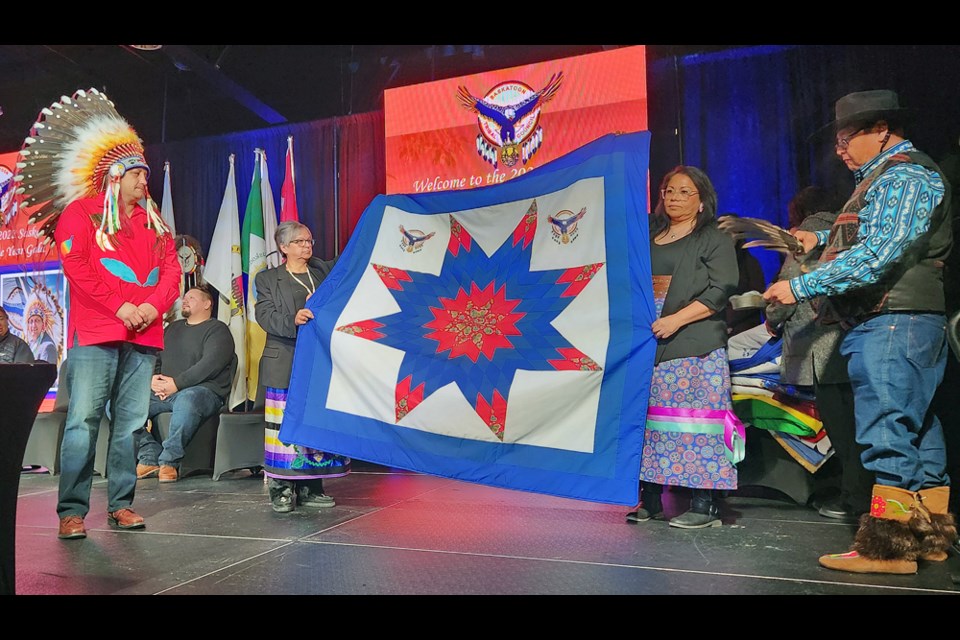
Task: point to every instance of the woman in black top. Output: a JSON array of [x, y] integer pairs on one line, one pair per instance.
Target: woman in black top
[[692, 438]]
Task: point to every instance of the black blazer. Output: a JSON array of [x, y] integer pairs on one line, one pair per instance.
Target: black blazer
[[276, 309], [707, 272]]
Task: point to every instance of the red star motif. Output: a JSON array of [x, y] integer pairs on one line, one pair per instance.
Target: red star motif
[[574, 360], [366, 329], [475, 323], [392, 278], [458, 237], [494, 414], [578, 278], [407, 399], [527, 228]]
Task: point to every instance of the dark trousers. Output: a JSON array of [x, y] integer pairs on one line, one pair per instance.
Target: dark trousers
[[835, 404], [276, 486], [947, 408]]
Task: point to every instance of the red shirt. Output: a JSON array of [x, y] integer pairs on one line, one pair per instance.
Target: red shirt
[[143, 268]]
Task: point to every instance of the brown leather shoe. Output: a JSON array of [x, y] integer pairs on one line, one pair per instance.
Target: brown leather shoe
[[71, 527], [168, 474], [147, 471], [125, 519]]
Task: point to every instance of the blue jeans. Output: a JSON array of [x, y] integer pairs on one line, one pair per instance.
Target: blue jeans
[[120, 373], [896, 362], [190, 407]]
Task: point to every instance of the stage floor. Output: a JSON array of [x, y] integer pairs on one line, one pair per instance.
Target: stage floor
[[395, 532]]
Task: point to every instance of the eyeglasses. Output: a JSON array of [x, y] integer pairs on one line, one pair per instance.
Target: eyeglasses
[[844, 142], [304, 242], [683, 194]]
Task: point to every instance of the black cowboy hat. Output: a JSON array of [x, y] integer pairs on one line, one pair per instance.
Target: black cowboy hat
[[864, 106], [867, 105]]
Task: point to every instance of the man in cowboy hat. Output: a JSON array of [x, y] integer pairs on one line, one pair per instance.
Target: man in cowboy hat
[[881, 276]]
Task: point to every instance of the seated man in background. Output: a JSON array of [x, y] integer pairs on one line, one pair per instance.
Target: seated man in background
[[12, 349], [196, 371]]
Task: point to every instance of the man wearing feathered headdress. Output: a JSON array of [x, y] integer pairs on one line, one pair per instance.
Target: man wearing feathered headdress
[[84, 167], [38, 324]]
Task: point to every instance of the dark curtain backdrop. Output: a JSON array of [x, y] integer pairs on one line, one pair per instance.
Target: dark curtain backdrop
[[736, 114], [199, 169], [753, 118], [339, 165], [363, 173], [926, 77], [745, 116]]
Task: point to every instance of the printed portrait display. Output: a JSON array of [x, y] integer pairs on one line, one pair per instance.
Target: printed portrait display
[[35, 305]]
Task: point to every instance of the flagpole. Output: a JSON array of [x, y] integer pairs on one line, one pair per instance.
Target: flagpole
[[293, 174]]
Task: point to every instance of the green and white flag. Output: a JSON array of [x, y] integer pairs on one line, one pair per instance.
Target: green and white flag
[[269, 215], [253, 249]]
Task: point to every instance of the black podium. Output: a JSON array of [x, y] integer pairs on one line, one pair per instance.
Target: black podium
[[22, 387]]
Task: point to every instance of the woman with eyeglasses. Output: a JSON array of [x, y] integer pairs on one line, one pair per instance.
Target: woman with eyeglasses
[[295, 474], [692, 438]]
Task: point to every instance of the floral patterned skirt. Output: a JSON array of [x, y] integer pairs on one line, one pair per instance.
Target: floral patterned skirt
[[691, 433], [291, 461]]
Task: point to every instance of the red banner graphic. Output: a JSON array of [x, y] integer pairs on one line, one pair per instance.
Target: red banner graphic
[[491, 127]]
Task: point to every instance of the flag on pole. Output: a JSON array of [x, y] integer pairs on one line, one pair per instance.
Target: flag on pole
[[223, 271], [288, 192], [269, 215], [166, 208], [166, 212], [253, 250], [499, 335]]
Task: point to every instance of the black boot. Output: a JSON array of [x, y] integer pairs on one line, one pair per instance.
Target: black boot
[[310, 494], [651, 504], [281, 495], [703, 512]]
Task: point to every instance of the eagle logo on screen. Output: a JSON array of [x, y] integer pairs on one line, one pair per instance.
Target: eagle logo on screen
[[509, 119]]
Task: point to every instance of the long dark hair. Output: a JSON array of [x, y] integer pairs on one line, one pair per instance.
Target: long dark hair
[[810, 200], [708, 197]]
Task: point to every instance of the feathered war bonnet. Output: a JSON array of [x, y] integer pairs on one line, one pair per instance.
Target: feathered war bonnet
[[80, 147], [38, 304]]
